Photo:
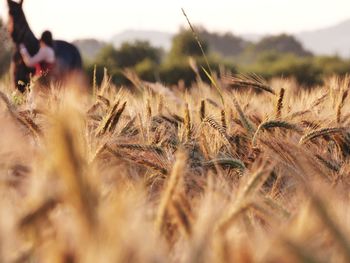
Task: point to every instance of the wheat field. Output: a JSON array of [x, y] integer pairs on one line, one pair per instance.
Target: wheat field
[[248, 172]]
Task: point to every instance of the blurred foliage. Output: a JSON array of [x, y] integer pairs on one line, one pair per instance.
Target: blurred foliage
[[139, 55], [332, 65], [89, 48], [225, 44], [108, 57], [177, 65], [281, 43], [272, 56], [181, 69], [148, 70], [274, 64], [184, 44], [5, 49], [130, 54], [147, 61]]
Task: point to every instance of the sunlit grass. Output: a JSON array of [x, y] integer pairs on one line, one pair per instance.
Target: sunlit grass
[[151, 174]]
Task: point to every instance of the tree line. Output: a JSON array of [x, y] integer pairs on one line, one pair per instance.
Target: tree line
[[5, 49], [272, 56]]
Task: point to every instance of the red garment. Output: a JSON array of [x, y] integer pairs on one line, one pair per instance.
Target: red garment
[[43, 68]]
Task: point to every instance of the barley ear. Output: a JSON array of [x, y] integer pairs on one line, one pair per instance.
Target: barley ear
[[246, 123], [170, 188], [223, 119], [326, 131], [341, 105], [279, 105], [187, 123], [202, 110]]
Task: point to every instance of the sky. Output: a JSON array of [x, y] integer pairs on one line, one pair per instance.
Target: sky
[[75, 19]]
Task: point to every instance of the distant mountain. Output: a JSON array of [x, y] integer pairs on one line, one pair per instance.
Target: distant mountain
[[155, 38], [89, 48], [328, 41], [333, 40], [226, 44], [253, 37]]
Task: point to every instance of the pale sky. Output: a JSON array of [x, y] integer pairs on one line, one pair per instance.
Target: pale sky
[[73, 19]]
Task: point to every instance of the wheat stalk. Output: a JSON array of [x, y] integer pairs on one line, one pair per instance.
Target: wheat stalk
[[129, 127], [94, 82], [93, 108], [137, 159], [104, 125], [246, 123], [69, 164], [9, 105], [320, 100], [187, 123], [140, 147], [210, 73], [104, 100], [171, 188], [24, 120], [341, 105], [254, 183], [299, 114], [173, 122], [300, 252], [36, 214], [274, 124], [331, 225], [223, 119], [243, 200], [226, 162], [184, 220], [252, 80], [321, 132], [279, 105], [202, 110], [216, 126], [329, 164], [149, 109], [212, 102], [115, 118], [160, 105]]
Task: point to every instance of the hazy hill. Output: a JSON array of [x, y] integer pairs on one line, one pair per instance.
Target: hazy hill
[[328, 41], [226, 44], [155, 38], [89, 48]]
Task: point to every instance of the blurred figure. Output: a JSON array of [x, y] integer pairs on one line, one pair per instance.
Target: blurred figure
[[65, 60], [44, 60]]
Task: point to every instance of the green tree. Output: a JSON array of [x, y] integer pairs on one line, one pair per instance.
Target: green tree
[[225, 44], [177, 67], [272, 64], [128, 55], [139, 55], [5, 49], [333, 65], [107, 57], [131, 54], [184, 44], [282, 43]]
